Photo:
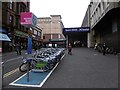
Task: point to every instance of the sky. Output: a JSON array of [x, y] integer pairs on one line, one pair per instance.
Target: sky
[[71, 11]]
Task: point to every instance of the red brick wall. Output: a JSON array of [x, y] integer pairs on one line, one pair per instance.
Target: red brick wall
[[47, 37]]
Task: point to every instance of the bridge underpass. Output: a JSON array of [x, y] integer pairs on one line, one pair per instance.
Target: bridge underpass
[[77, 39], [76, 36]]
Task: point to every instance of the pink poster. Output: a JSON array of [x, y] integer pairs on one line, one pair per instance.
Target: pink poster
[[26, 18]]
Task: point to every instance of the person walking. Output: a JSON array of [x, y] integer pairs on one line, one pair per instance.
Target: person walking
[[104, 49], [20, 49], [69, 49], [17, 48]]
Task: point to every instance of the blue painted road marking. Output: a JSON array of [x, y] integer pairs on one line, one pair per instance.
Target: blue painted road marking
[[36, 79]]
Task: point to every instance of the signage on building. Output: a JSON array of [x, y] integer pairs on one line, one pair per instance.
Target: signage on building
[[28, 19], [21, 34], [79, 29]]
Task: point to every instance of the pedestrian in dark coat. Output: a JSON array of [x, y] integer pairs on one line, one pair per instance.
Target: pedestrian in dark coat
[[104, 49], [69, 49], [18, 49]]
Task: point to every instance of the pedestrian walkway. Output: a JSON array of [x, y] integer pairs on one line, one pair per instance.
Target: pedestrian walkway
[[86, 68]]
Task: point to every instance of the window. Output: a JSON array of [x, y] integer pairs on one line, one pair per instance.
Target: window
[[22, 8], [107, 2], [38, 33], [11, 19], [103, 4], [17, 21], [35, 32], [17, 7], [99, 10], [10, 4]]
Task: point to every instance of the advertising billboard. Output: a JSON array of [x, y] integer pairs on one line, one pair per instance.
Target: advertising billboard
[[28, 19]]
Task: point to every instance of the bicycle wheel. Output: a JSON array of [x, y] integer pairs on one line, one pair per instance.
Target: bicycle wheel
[[23, 67]]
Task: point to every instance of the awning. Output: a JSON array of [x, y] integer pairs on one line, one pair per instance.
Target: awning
[[4, 37], [2, 30], [57, 40]]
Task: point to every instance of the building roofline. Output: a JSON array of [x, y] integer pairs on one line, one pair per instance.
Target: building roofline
[[56, 16], [44, 18]]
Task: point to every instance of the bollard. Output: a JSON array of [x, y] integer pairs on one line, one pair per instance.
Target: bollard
[[28, 66]]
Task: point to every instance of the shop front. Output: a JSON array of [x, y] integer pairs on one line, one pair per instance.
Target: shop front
[[21, 37], [37, 42]]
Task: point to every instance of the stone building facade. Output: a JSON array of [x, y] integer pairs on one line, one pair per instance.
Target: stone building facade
[[104, 21], [51, 27]]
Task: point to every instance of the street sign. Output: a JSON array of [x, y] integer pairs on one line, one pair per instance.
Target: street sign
[[77, 29]]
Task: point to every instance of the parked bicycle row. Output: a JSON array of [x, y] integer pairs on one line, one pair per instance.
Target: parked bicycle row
[[42, 60], [103, 48]]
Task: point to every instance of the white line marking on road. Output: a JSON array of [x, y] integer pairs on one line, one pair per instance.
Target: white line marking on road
[[10, 73], [2, 62], [17, 79], [95, 54], [48, 75], [24, 85], [50, 72], [41, 84], [12, 59]]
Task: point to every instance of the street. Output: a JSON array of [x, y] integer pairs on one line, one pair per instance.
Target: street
[[86, 68]]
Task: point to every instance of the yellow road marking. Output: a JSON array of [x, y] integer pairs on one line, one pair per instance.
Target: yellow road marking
[[10, 73]]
